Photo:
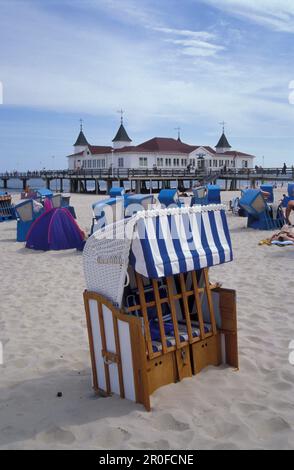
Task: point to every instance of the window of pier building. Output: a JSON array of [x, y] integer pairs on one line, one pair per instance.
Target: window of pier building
[[120, 162], [143, 161], [159, 161]]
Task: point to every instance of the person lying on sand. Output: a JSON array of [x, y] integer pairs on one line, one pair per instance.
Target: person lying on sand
[[285, 234]]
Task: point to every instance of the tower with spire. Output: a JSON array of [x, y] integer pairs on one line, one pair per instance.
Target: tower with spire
[[223, 145], [179, 133], [121, 138], [81, 143]]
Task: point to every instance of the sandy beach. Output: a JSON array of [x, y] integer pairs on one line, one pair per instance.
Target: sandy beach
[[46, 353]]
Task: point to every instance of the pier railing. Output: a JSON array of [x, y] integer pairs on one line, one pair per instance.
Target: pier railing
[[118, 173], [154, 173]]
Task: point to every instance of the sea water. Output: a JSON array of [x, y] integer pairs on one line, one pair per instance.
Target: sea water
[[15, 184]]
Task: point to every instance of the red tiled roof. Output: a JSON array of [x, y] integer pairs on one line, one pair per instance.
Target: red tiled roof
[[236, 153], [128, 148], [98, 149], [209, 149], [160, 144], [75, 154]]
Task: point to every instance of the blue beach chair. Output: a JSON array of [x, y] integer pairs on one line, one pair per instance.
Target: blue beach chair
[[260, 215], [137, 202], [116, 191], [290, 196], [169, 198], [63, 200], [107, 212], [27, 212], [204, 195], [43, 192], [213, 194], [268, 188]]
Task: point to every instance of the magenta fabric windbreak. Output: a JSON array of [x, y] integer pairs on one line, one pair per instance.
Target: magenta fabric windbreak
[[55, 229]]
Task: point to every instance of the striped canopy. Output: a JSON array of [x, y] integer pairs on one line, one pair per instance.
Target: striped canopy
[[179, 240]]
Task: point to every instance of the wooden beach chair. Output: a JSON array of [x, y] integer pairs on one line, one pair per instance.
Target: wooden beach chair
[[153, 317]]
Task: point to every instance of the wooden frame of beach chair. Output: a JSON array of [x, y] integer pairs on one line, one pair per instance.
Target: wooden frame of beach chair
[[143, 367]]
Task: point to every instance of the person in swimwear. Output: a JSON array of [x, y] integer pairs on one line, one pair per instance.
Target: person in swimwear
[[285, 234]]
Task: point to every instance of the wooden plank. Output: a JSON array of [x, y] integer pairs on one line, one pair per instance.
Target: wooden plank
[[198, 305], [159, 315], [186, 307], [171, 297], [140, 365], [119, 365], [163, 300], [145, 315], [209, 300], [161, 371], [104, 346], [228, 313], [206, 353], [91, 342], [183, 362]]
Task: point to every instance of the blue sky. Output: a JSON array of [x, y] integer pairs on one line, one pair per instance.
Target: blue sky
[[167, 63]]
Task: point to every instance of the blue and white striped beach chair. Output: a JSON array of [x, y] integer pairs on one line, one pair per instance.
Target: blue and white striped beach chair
[[153, 316]]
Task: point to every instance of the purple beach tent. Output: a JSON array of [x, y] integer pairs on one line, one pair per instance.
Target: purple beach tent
[[55, 229]]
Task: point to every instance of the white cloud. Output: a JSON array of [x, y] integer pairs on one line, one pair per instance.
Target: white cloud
[[204, 35], [274, 14], [194, 43]]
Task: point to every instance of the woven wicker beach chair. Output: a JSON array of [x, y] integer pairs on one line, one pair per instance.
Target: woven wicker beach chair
[[153, 317]]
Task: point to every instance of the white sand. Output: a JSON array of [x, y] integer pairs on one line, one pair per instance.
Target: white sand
[[43, 330]]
